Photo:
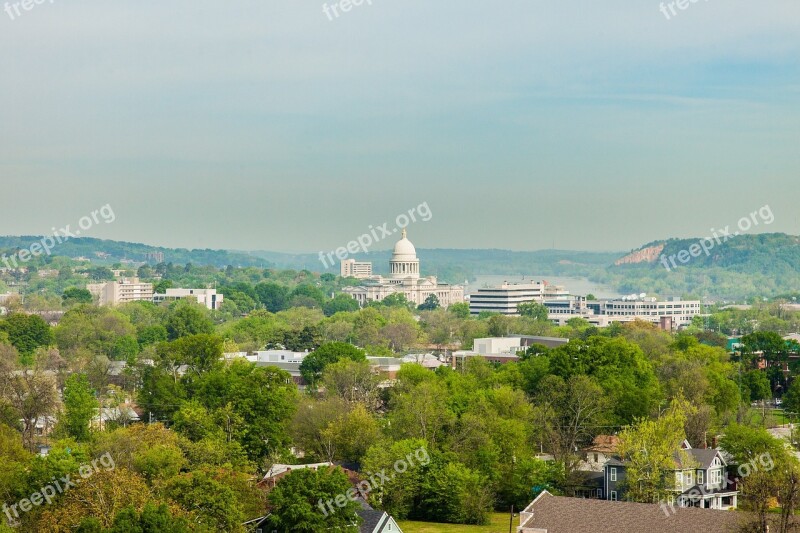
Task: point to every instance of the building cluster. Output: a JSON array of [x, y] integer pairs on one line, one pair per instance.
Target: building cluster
[[404, 278], [125, 290], [289, 361], [670, 313]]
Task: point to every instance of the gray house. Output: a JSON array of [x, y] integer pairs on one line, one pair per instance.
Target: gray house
[[700, 479]]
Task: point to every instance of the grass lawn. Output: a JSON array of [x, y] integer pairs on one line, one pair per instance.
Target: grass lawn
[[498, 524]]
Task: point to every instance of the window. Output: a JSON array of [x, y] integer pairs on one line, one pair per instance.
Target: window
[[689, 479], [699, 477], [679, 479], [716, 476], [613, 475], [613, 496]]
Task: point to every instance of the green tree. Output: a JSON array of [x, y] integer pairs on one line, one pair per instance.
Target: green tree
[[430, 303], [125, 348], [340, 303], [188, 319], [298, 502], [74, 295], [451, 492], [314, 363], [272, 296], [533, 310], [756, 386], [26, 332], [80, 405], [214, 503], [459, 309], [649, 448]]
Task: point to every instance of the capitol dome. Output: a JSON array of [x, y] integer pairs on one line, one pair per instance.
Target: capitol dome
[[404, 250], [404, 263]]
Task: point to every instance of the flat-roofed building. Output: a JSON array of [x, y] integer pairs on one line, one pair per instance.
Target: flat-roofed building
[[669, 313], [350, 268], [121, 291], [506, 298], [206, 297]]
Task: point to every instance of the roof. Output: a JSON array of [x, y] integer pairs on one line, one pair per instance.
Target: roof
[[703, 456], [278, 469], [604, 443], [559, 514], [372, 519]]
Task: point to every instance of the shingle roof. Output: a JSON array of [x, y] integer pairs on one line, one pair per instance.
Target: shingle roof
[[558, 514], [371, 519], [703, 456]]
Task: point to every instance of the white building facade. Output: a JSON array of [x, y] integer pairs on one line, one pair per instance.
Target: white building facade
[[405, 278], [505, 298], [206, 297]]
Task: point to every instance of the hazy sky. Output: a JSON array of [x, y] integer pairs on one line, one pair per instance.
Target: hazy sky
[[522, 124]]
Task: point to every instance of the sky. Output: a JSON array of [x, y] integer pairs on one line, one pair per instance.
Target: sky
[[523, 124]]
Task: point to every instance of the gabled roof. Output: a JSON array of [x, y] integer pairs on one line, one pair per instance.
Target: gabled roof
[[372, 519], [559, 514], [703, 457]]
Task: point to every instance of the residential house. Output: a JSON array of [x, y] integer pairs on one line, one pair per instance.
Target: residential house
[[700, 479]]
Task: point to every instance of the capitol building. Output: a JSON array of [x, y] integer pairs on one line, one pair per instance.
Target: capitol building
[[404, 278]]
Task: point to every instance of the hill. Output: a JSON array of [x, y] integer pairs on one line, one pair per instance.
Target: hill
[[741, 267], [107, 252]]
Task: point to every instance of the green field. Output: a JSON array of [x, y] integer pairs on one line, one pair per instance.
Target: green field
[[498, 524]]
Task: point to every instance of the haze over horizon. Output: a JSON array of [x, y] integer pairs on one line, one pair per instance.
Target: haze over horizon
[[535, 125]]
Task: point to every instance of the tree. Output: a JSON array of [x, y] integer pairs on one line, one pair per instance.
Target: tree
[[755, 385], [649, 447], [102, 495], [570, 412], [214, 504], [791, 400], [351, 435], [80, 405], [32, 393], [534, 310], [263, 398], [299, 502], [74, 295], [451, 492], [353, 381], [459, 309], [314, 363], [340, 303], [272, 296], [188, 319], [420, 412], [27, 332], [430, 303]]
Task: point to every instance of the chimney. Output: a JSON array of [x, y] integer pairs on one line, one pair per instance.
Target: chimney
[[714, 442]]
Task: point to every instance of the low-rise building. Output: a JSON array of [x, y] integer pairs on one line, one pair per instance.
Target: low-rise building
[[669, 313], [206, 297]]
